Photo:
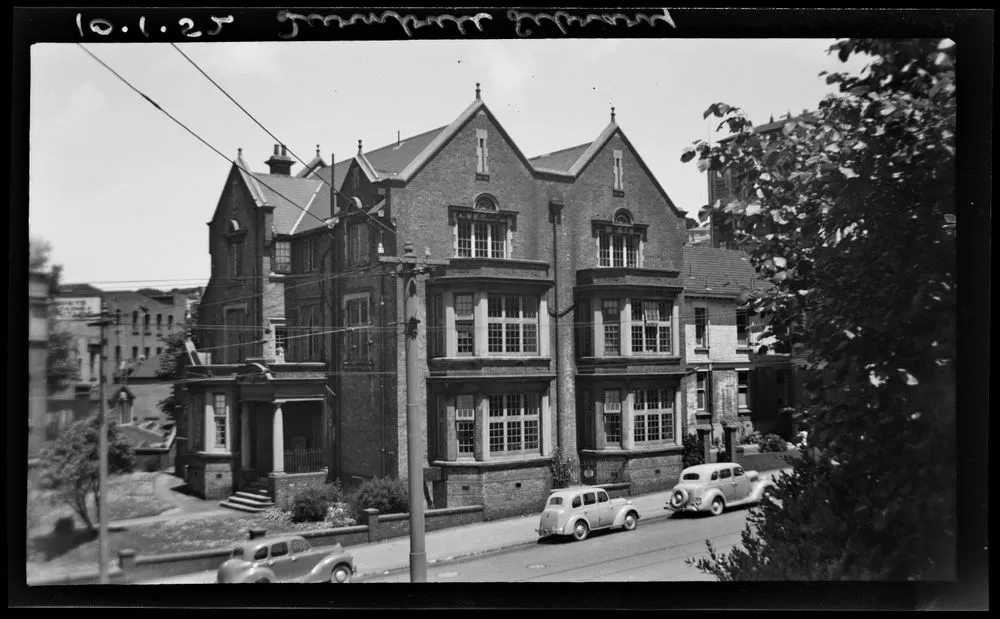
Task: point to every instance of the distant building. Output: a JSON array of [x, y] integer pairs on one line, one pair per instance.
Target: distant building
[[139, 325], [39, 298], [76, 306]]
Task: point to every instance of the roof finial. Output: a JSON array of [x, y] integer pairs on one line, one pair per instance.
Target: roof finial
[[239, 151], [359, 147], [612, 113], [477, 90], [317, 151]]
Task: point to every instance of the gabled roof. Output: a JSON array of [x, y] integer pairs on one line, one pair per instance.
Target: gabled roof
[[560, 160], [718, 272], [390, 160], [313, 167], [278, 189], [79, 290]]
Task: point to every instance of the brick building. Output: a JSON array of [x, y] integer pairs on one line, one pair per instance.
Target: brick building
[[140, 324]]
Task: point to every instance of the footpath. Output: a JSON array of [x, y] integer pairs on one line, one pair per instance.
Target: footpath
[[391, 556]]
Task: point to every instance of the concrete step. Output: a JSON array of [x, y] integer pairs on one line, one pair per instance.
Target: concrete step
[[250, 502], [242, 508], [260, 498]]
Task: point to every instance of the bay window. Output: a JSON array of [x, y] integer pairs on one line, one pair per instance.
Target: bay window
[[465, 425], [612, 417], [653, 415], [512, 323], [513, 422], [610, 314], [651, 326], [465, 324], [484, 324]]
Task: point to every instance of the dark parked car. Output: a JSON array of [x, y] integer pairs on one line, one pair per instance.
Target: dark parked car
[[286, 558]]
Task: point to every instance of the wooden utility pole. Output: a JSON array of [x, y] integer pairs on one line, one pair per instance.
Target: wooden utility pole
[[103, 320], [410, 267]]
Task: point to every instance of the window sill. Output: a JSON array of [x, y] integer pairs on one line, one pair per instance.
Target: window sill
[[534, 460]]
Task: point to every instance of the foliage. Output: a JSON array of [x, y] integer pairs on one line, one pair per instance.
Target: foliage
[[61, 357], [310, 505], [70, 465], [850, 212], [751, 438], [39, 251], [771, 442], [387, 495], [172, 363], [563, 469], [693, 453]]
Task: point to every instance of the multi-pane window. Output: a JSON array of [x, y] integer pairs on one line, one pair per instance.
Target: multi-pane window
[[611, 315], [358, 248], [435, 326], [235, 259], [482, 239], [281, 338], [653, 415], [464, 324], [703, 391], [465, 424], [282, 257], [743, 388], [513, 422], [619, 171], [651, 326], [306, 255], [512, 324], [612, 417], [358, 327], [220, 415], [700, 327], [742, 328], [618, 250], [159, 322], [584, 325]]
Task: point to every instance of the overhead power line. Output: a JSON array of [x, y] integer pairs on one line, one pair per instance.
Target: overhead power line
[[267, 131]]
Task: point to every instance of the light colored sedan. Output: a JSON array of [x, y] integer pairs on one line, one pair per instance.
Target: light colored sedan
[[579, 510], [714, 487], [286, 558]]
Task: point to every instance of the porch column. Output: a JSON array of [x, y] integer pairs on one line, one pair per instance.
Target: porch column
[[278, 440], [245, 435]]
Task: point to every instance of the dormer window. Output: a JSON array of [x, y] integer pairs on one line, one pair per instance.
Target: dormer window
[[482, 153], [619, 172], [483, 231]]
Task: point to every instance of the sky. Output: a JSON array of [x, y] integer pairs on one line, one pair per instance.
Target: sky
[[123, 194]]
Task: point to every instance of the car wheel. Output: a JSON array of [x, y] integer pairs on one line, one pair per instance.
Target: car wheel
[[262, 581], [341, 574], [630, 521], [718, 505], [580, 531]]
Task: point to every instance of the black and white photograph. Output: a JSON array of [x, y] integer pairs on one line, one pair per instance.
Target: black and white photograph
[[499, 296]]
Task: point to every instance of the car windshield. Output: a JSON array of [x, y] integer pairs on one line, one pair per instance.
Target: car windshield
[[556, 500], [237, 552], [691, 477]]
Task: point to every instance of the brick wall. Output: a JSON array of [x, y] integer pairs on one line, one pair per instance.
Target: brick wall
[[655, 473], [284, 487], [502, 492], [210, 479]]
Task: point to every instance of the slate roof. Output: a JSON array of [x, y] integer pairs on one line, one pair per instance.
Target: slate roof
[[718, 272], [392, 159], [560, 160], [278, 189]]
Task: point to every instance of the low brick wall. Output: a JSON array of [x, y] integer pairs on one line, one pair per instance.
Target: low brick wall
[[284, 486], [134, 568], [766, 461]]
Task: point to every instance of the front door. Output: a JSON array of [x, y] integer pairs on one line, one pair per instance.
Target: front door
[[263, 447], [605, 510]]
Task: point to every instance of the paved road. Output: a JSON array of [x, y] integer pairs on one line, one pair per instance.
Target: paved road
[[655, 551]]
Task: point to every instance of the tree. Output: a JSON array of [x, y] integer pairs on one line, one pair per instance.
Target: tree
[[172, 363], [39, 251], [71, 464], [850, 211]]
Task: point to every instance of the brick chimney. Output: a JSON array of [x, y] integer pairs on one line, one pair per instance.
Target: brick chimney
[[280, 162]]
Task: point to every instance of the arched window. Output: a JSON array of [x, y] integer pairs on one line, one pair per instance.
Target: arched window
[[486, 202], [623, 217]]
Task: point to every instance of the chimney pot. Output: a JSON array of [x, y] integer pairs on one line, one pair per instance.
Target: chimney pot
[[276, 150], [284, 151]]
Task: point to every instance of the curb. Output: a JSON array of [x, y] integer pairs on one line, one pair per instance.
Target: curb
[[479, 553]]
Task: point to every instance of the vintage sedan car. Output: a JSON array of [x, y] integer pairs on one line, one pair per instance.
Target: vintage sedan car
[[714, 487], [286, 558], [579, 510]]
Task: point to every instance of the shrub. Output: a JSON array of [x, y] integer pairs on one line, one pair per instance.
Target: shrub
[[309, 506], [333, 493], [563, 471], [692, 451], [751, 438], [339, 515], [387, 495], [771, 442]]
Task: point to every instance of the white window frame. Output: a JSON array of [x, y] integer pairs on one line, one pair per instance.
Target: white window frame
[[509, 411], [357, 327], [703, 341], [617, 250], [664, 415], [613, 410], [224, 417], [743, 389], [641, 325], [282, 256], [476, 238], [611, 322], [465, 416], [515, 318], [467, 320], [701, 389]]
